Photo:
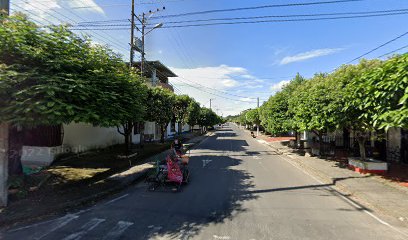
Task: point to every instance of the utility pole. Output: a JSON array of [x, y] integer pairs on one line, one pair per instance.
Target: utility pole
[[132, 33], [143, 44], [5, 7], [4, 135], [210, 103], [144, 33]]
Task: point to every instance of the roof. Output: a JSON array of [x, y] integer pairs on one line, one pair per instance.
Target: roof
[[164, 71]]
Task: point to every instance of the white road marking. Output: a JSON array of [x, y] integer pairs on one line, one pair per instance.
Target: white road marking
[[256, 157], [222, 237], [116, 199], [55, 223], [206, 162], [118, 230], [89, 226]]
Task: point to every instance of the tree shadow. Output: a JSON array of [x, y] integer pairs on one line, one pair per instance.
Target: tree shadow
[[217, 191]]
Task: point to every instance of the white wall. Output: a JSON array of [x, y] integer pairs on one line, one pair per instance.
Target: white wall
[[81, 137]]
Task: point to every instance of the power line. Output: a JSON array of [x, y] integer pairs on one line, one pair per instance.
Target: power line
[[202, 90], [260, 21], [285, 20], [256, 7], [232, 9], [382, 45], [107, 22], [396, 50], [69, 21], [286, 16], [178, 40]]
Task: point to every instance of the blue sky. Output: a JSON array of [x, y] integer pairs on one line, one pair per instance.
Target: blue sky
[[246, 60]]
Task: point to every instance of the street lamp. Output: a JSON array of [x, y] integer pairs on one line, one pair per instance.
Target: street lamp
[[159, 25]]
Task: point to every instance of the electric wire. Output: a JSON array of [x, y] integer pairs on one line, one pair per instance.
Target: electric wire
[[396, 50], [256, 7], [256, 22], [376, 48], [70, 21], [106, 22]]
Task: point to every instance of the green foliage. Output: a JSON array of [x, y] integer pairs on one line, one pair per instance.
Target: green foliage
[[53, 76], [181, 107], [193, 113], [383, 94], [275, 114], [252, 116], [159, 105], [357, 114], [208, 118]]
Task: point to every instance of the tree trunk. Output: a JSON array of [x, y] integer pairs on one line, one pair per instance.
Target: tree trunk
[[179, 129], [141, 140], [162, 129], [127, 144], [15, 151], [361, 145], [127, 130]]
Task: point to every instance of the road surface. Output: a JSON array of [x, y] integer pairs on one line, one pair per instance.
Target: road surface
[[239, 189]]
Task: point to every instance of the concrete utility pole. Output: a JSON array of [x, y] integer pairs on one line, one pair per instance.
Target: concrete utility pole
[[5, 6], [4, 135], [211, 102], [144, 33], [132, 33], [143, 43]]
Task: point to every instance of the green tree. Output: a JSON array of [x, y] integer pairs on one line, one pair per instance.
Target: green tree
[[385, 90], [193, 113], [159, 108], [208, 118], [180, 109], [275, 114], [375, 98], [52, 76]]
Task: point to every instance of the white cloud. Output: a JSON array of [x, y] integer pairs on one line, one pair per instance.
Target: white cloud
[[55, 11], [229, 83], [278, 86], [200, 83], [309, 55], [89, 4], [247, 99]]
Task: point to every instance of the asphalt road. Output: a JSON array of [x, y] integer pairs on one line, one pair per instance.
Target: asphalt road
[[239, 189]]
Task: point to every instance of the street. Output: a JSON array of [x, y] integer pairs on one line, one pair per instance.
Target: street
[[239, 189]]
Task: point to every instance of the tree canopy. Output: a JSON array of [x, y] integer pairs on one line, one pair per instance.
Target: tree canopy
[[53, 76]]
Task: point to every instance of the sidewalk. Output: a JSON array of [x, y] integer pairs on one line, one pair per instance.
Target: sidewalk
[[57, 202], [387, 198]]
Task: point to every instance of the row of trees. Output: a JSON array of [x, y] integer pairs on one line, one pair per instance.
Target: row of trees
[[367, 97], [53, 76]]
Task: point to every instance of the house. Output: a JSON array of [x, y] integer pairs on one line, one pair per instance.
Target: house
[[43, 143], [390, 146], [158, 75]]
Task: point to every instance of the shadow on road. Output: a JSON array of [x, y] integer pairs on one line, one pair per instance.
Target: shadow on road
[[216, 192]]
